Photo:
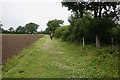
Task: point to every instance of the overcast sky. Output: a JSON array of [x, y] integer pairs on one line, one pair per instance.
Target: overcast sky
[[19, 12]]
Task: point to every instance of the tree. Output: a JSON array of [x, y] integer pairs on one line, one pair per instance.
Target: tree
[[115, 32], [53, 24], [62, 32], [99, 10], [1, 24], [82, 26], [5, 31], [2, 30], [20, 30], [31, 28], [1, 27], [77, 29], [101, 27], [11, 30]]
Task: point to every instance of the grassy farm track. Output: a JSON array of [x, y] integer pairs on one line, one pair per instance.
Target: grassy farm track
[[55, 59]]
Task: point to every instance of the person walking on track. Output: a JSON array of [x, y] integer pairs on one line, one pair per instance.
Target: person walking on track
[[51, 36]]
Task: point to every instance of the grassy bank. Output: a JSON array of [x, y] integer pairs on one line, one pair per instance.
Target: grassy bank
[[55, 59]]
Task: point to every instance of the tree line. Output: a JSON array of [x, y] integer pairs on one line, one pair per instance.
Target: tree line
[[84, 30], [30, 28], [90, 22]]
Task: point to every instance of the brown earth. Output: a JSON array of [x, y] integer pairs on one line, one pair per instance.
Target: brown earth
[[13, 44]]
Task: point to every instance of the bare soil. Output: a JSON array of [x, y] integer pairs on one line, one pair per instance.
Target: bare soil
[[13, 44]]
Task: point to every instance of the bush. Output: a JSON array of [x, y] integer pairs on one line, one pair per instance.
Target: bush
[[65, 34], [62, 32], [116, 34]]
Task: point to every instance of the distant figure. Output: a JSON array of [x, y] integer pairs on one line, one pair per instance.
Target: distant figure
[[51, 36]]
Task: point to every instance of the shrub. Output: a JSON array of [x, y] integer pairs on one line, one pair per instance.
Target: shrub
[[61, 32]]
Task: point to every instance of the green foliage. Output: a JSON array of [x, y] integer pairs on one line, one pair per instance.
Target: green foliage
[[20, 30], [31, 28], [1, 27], [58, 32], [62, 32], [110, 8], [11, 30], [1, 24], [100, 27], [52, 25], [88, 27], [5, 31], [78, 27], [116, 34]]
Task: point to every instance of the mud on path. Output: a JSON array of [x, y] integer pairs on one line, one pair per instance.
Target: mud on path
[[13, 44]]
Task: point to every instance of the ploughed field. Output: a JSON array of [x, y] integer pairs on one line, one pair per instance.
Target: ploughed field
[[13, 44]]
